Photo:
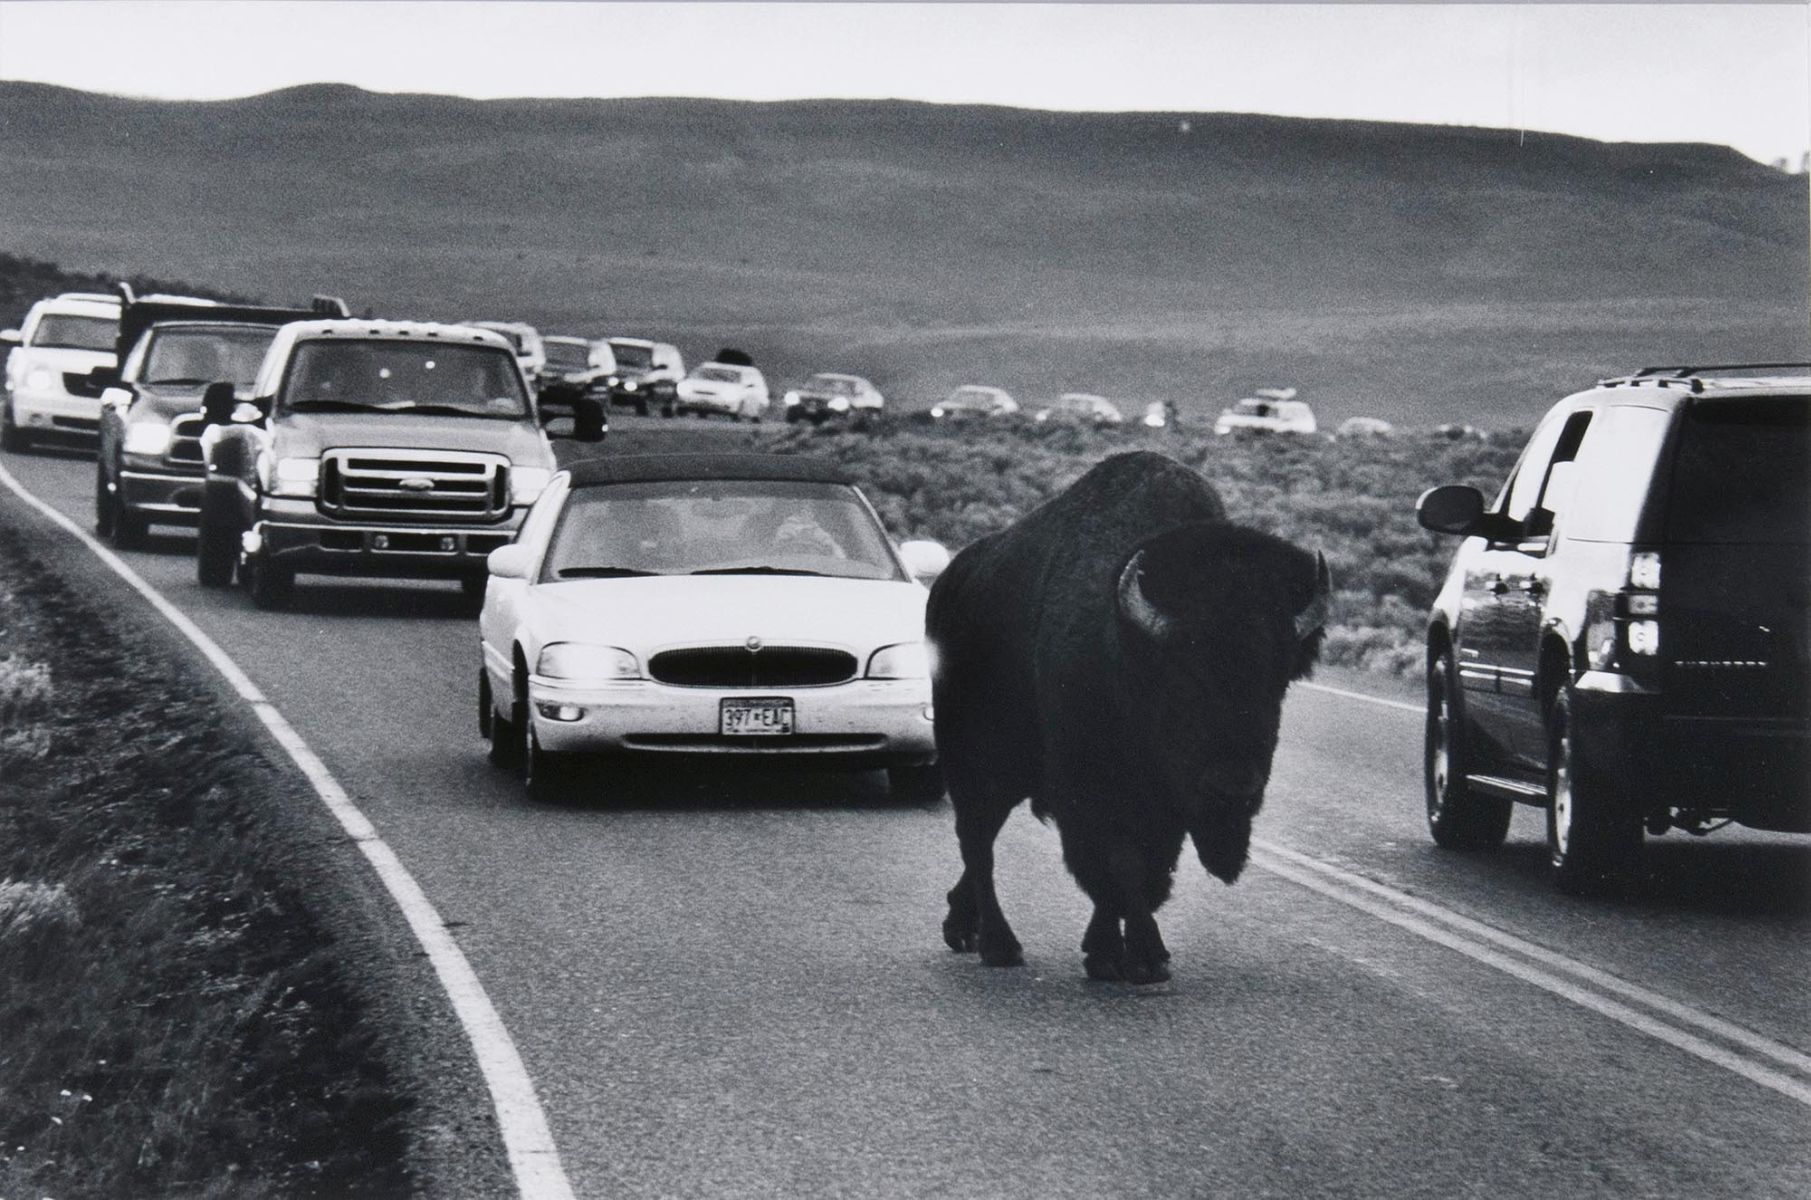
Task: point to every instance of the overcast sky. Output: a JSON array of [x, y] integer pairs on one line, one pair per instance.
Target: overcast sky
[[1736, 74]]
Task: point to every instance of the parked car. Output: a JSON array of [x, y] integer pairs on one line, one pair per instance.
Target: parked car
[[1159, 414], [647, 374], [1081, 408], [370, 448], [1365, 427], [827, 395], [1271, 410], [525, 340], [51, 390], [707, 606], [149, 467], [1622, 637], [574, 368], [975, 400], [723, 389]]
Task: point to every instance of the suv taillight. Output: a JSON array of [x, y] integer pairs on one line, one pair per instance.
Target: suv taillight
[[1622, 628]]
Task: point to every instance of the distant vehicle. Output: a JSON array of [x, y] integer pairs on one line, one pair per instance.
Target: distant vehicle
[[148, 470], [1081, 408], [525, 339], [620, 625], [1621, 637], [1364, 427], [1158, 414], [723, 389], [370, 448], [1459, 433], [647, 373], [827, 395], [1270, 410], [51, 390], [574, 367], [975, 400]]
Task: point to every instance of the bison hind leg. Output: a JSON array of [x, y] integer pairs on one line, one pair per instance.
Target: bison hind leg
[[975, 921], [1103, 946]]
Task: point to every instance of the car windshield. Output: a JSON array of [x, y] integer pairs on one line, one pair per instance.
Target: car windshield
[[628, 354], [1253, 408], [972, 396], [195, 356], [836, 385], [61, 331], [477, 381], [1740, 475], [718, 527], [718, 374], [567, 356]]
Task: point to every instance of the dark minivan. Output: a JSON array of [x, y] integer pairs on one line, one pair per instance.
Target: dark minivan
[[1622, 636]]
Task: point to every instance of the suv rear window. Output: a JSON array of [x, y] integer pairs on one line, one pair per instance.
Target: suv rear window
[[1740, 474]]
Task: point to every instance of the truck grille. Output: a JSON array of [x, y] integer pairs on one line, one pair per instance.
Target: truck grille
[[737, 666], [185, 440], [407, 485]]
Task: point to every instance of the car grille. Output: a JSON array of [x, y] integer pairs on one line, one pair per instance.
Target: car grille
[[737, 666], [438, 485], [185, 440]]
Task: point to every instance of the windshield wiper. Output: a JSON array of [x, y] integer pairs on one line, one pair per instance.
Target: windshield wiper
[[454, 410], [330, 406], [177, 381], [601, 572], [756, 571]]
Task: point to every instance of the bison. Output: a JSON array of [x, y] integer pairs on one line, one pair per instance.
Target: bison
[[1119, 656]]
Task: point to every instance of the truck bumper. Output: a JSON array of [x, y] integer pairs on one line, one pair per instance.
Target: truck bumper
[[320, 547]]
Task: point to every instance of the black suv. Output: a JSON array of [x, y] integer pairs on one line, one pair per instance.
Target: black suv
[[1622, 637]]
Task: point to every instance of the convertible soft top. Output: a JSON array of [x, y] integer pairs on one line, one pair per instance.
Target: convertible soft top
[[639, 468]]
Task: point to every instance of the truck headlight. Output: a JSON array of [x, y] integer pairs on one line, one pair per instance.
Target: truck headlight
[[39, 380], [580, 661], [629, 385], [906, 660], [295, 477], [527, 483], [149, 438]]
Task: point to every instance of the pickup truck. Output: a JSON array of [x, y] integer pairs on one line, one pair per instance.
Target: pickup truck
[[393, 449]]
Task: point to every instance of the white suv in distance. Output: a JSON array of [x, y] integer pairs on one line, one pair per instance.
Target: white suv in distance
[[50, 386], [726, 389], [1271, 410]]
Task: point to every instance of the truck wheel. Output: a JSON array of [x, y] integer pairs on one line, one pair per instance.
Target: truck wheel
[[915, 785], [271, 586], [130, 530], [216, 552], [1593, 834], [104, 504], [641, 408], [11, 436], [1457, 817]]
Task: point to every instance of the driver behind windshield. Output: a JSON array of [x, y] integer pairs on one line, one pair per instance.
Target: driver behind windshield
[[478, 380]]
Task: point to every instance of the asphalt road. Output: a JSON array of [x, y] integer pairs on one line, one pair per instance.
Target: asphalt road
[[731, 985]]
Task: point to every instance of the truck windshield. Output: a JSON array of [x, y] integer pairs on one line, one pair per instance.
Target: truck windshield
[[61, 331], [477, 381], [630, 355], [196, 356], [1740, 476], [567, 356]]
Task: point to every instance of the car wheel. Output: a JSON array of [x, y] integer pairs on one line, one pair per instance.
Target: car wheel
[[216, 551], [505, 733], [915, 785], [271, 586], [130, 530], [1593, 834], [485, 704], [105, 504], [641, 408], [11, 436], [546, 775], [1457, 817]]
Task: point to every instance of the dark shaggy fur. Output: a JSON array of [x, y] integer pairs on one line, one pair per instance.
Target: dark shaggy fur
[[1132, 726]]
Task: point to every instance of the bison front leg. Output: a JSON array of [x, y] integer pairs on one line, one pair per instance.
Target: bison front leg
[[1127, 884], [975, 921]]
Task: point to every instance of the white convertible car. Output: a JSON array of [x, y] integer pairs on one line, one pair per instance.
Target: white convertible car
[[706, 605]]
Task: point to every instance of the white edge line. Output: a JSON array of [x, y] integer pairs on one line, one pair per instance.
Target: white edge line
[[1633, 1018], [1364, 696], [527, 1139]]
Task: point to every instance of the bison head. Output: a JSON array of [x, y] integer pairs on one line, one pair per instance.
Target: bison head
[[1215, 622]]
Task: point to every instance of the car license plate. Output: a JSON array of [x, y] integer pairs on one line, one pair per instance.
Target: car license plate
[[755, 718]]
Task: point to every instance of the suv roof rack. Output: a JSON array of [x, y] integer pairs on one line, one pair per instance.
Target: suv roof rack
[[1693, 376]]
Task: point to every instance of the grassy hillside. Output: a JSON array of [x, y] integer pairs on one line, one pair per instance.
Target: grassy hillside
[[1417, 273]]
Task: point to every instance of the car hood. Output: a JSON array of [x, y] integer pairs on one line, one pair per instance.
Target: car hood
[[306, 435], [166, 401], [644, 615]]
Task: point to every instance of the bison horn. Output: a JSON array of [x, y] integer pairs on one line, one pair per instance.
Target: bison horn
[[1135, 606], [1314, 615]]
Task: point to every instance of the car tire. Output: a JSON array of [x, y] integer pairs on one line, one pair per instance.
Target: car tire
[[547, 776], [272, 587], [505, 735], [641, 408], [12, 437], [216, 551], [915, 785], [1594, 835], [106, 505], [485, 704], [130, 530], [1458, 817]]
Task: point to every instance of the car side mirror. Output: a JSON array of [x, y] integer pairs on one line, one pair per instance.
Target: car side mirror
[[11, 337], [1451, 509], [218, 403], [589, 421], [925, 560], [116, 397], [509, 562]]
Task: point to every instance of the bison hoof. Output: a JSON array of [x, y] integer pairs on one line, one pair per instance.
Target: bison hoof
[[1125, 970], [1002, 954], [1146, 972], [1105, 970], [956, 937]]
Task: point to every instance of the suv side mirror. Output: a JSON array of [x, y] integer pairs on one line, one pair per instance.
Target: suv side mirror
[[589, 422], [218, 403], [11, 337], [924, 559], [1452, 509]]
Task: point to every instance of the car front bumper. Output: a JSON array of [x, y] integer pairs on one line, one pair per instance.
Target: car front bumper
[[862, 723], [167, 496], [54, 410]]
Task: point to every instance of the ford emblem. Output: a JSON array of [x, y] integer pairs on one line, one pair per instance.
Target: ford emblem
[[416, 483], [753, 644]]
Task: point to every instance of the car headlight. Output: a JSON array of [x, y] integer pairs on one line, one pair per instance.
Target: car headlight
[[149, 438], [906, 660], [527, 483], [839, 404], [790, 399], [629, 385], [292, 476], [39, 380], [937, 410], [580, 661]]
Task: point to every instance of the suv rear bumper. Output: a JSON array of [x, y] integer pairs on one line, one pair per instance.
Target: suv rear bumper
[[386, 551], [1756, 771]]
